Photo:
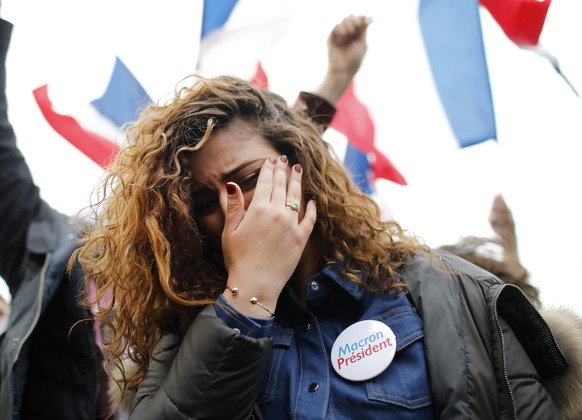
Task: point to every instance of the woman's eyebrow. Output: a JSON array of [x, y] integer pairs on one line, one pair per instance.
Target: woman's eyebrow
[[227, 175]]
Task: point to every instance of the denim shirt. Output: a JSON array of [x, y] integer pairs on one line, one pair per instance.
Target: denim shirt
[[300, 382]]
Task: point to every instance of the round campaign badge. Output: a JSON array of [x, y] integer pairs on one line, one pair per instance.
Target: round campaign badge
[[363, 350]]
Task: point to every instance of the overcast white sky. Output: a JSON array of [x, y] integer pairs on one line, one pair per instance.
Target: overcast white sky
[[535, 163]]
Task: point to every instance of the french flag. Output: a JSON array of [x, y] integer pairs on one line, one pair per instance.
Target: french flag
[[121, 102]]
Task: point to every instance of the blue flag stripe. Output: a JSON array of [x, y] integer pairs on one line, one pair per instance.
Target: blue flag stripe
[[451, 30], [215, 14], [124, 97], [358, 165]]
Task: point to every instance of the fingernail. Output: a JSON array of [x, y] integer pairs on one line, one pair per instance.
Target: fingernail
[[283, 158], [272, 159], [230, 188], [297, 167]]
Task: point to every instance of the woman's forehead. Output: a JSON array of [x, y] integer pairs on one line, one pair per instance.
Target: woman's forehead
[[230, 147]]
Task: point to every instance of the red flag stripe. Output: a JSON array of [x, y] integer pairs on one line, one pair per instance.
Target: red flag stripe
[[354, 121], [260, 79], [97, 148], [521, 20]]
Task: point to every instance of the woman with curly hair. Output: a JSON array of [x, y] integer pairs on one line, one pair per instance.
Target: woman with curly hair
[[242, 272]]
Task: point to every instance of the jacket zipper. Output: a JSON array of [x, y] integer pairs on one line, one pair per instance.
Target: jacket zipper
[[38, 309], [503, 355]]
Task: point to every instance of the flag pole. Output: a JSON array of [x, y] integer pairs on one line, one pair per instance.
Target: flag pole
[[540, 50]]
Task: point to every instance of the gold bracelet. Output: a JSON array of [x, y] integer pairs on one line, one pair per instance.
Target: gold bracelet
[[233, 290], [253, 300]]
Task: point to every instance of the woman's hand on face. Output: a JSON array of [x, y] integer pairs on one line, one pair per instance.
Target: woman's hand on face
[[262, 245]]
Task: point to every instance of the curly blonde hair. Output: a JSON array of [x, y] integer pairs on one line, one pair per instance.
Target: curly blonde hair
[[152, 268]]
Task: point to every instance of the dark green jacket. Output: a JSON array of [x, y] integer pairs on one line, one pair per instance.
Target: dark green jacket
[[487, 347]]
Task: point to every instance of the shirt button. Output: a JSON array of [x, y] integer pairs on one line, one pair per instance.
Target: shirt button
[[314, 285], [307, 327], [313, 387]]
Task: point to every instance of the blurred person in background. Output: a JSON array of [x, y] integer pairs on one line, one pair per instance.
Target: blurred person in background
[[498, 255]]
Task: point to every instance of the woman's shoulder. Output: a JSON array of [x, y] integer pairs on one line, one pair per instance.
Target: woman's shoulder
[[441, 271], [443, 286]]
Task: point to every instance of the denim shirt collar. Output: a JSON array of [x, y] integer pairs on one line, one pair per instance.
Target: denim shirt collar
[[333, 270]]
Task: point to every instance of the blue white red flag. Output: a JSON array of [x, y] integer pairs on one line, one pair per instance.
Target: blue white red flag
[[121, 102]]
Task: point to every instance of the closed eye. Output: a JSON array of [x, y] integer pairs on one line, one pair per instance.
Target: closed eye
[[249, 182], [205, 203]]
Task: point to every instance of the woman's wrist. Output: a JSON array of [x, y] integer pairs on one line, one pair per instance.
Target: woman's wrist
[[333, 86], [249, 303]]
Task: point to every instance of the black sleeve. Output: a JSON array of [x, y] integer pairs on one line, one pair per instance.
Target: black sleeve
[[19, 197]]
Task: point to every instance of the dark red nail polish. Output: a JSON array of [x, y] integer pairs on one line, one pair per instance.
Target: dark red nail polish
[[230, 189], [298, 168], [283, 158]]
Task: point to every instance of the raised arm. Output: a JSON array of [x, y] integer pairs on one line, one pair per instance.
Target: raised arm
[[346, 48], [503, 224], [19, 197]]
